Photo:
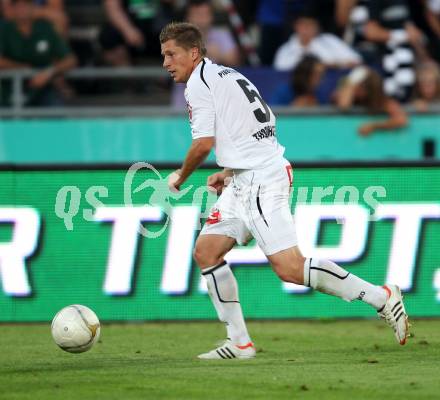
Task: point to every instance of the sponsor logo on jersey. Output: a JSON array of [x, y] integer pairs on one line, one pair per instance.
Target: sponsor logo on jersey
[[264, 133]]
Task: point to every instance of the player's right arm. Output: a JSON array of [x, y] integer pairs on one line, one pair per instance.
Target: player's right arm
[[197, 153], [202, 119]]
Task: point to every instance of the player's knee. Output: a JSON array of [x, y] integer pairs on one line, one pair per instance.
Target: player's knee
[[203, 257], [198, 255]]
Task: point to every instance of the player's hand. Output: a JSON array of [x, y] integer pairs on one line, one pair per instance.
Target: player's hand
[[174, 181], [134, 37], [217, 182], [41, 79]]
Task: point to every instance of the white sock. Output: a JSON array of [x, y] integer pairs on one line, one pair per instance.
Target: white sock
[[330, 278], [223, 290]]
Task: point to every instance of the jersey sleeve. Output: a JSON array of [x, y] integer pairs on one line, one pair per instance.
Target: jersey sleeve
[[201, 109]]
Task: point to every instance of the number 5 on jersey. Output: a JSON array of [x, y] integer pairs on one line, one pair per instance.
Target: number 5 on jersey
[[251, 94]]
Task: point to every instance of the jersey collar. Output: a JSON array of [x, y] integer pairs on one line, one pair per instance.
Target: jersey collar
[[205, 60]]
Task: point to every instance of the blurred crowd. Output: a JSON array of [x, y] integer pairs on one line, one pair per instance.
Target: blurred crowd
[[376, 54]]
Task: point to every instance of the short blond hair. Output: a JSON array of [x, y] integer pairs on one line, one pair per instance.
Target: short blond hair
[[185, 34]]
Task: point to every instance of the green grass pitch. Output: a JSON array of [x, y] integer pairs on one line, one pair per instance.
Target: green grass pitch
[[296, 359]]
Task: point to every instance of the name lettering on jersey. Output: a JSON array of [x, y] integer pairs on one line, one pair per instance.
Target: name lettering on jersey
[[266, 132], [226, 71]]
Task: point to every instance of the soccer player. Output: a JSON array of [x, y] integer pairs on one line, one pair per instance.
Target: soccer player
[[227, 113]]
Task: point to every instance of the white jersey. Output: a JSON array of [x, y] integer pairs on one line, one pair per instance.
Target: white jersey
[[223, 104]]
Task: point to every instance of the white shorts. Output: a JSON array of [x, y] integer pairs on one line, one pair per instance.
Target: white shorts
[[256, 204]]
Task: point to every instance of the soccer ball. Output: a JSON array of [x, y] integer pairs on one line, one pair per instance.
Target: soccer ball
[[75, 328]]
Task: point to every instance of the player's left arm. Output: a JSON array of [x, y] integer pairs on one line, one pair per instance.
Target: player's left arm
[[197, 153]]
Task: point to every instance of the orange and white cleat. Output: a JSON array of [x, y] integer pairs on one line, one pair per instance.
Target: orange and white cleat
[[228, 351], [394, 314]]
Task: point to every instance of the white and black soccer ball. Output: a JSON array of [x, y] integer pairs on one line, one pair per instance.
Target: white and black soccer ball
[[75, 328]]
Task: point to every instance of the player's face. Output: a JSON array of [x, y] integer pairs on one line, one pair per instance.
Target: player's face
[[179, 62]]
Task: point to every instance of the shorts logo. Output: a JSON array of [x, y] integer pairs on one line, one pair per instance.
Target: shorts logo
[[214, 217], [361, 295]]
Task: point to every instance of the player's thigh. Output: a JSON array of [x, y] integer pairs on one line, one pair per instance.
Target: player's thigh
[[288, 264], [223, 228], [211, 248], [270, 220]]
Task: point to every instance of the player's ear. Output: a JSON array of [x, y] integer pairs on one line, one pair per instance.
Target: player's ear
[[194, 53]]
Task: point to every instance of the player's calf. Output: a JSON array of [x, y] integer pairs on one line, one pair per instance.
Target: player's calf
[[223, 291], [325, 276], [288, 265], [330, 278]]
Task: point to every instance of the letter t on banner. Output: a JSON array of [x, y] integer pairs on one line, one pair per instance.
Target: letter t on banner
[[126, 220]]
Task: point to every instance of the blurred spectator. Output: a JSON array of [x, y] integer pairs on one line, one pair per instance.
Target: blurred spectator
[[432, 11], [270, 18], [306, 78], [427, 89], [352, 16], [132, 29], [26, 42], [51, 10], [364, 87], [324, 82], [246, 8], [390, 25], [326, 12], [343, 11], [433, 15], [220, 44], [307, 39]]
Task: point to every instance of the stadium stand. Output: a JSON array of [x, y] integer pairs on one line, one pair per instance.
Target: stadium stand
[[144, 85]]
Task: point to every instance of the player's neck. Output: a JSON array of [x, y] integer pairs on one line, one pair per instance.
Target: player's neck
[[196, 62]]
